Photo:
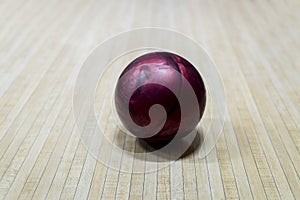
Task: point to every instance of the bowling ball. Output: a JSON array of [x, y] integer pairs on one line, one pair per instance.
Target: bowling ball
[[148, 70]]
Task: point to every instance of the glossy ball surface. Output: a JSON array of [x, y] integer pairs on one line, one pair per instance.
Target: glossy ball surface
[[159, 66]]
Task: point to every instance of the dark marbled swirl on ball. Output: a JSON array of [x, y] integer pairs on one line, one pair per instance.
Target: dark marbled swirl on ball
[[159, 66]]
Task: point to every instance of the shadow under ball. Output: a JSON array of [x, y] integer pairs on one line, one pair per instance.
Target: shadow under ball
[[156, 67]]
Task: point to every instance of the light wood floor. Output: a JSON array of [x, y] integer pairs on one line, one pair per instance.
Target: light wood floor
[[255, 45]]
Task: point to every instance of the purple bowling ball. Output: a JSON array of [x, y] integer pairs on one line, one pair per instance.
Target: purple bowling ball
[[156, 67]]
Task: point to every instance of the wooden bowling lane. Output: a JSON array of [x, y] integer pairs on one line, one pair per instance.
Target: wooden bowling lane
[[255, 45]]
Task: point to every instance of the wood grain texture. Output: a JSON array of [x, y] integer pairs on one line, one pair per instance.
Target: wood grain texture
[[256, 47]]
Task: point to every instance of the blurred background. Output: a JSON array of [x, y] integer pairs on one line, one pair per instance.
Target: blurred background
[[255, 46]]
